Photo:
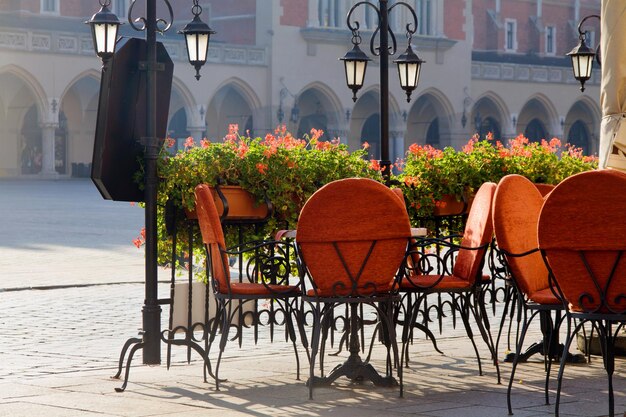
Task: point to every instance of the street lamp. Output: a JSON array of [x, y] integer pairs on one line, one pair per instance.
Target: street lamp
[[104, 27], [197, 36], [582, 56], [409, 65]]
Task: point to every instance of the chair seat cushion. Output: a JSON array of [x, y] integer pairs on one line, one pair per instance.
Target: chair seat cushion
[[271, 290], [545, 296], [429, 283]]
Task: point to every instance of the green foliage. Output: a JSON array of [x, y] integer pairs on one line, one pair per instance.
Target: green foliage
[[279, 167], [287, 171], [428, 173]]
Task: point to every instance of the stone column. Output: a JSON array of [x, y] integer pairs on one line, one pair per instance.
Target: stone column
[[197, 132], [47, 141]]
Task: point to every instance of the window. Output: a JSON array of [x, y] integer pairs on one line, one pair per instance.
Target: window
[[120, 8], [329, 12], [50, 6], [424, 11], [510, 40], [550, 40]]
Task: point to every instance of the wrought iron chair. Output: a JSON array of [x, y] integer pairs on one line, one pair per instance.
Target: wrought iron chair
[[352, 237], [587, 258], [516, 206], [499, 270], [268, 274], [455, 270]]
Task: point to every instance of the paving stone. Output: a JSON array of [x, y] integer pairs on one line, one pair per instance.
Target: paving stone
[[60, 346]]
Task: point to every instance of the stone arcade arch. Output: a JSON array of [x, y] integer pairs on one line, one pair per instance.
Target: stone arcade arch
[[74, 136], [233, 103], [428, 121], [365, 124], [581, 126], [489, 115], [22, 102], [318, 108], [537, 119]]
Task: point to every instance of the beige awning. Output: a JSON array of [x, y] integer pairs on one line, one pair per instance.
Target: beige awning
[[613, 88]]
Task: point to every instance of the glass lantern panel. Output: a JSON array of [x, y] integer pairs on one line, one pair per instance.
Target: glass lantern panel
[[402, 72], [359, 72], [99, 34], [192, 46], [203, 45], [111, 34]]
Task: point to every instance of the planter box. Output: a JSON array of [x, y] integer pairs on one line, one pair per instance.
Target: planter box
[[200, 304], [452, 207], [242, 205]]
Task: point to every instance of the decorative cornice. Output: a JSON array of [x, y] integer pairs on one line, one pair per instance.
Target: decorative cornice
[[335, 36], [504, 71]]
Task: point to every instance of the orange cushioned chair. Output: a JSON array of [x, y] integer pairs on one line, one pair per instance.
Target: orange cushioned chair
[[516, 206], [269, 278], [352, 237], [461, 278], [582, 236]]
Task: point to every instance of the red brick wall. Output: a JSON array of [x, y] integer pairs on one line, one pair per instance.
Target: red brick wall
[[238, 31], [295, 13], [454, 19], [487, 36]]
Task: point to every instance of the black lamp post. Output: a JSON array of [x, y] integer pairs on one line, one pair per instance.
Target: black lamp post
[[409, 65], [104, 27], [582, 56]]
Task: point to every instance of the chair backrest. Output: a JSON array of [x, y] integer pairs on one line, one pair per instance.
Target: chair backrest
[[352, 236], [582, 235], [544, 189], [478, 232], [212, 237], [516, 206]]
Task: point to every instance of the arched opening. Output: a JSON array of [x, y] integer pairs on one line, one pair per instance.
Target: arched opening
[[32, 153], [315, 108], [366, 111], [432, 134], [489, 125], [370, 133], [229, 106], [579, 136], [177, 129], [535, 131], [427, 121], [581, 126], [537, 119]]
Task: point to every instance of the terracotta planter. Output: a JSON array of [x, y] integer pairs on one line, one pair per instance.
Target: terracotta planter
[[241, 204], [450, 206]]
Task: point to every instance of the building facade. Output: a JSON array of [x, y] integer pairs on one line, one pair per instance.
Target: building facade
[[491, 66]]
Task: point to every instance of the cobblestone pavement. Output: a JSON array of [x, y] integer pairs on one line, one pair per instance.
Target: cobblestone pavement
[[59, 346]]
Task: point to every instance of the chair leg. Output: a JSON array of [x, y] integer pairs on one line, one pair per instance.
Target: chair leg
[[291, 331], [315, 340], [607, 342], [482, 320], [518, 350], [507, 305], [559, 379], [226, 320]]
